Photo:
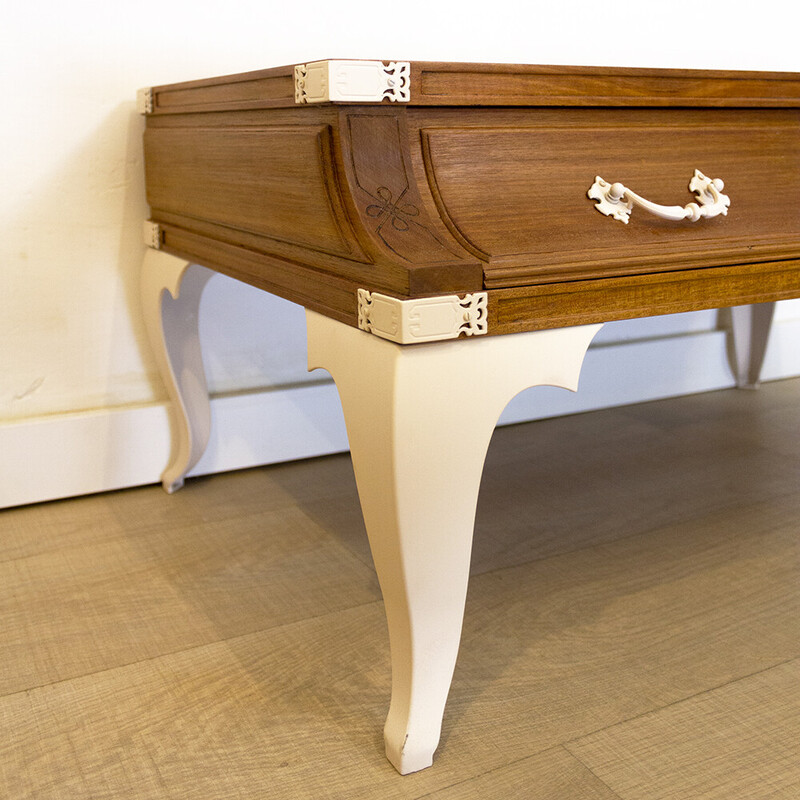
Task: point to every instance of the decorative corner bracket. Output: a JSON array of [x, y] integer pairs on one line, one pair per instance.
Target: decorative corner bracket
[[428, 319], [617, 201], [352, 82], [144, 101], [151, 233]]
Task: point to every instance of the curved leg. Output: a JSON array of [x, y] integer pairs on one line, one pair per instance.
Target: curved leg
[[751, 326], [171, 321], [419, 420]]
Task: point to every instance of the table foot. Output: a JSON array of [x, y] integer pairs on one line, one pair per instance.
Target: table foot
[[419, 421], [751, 326], [171, 290]]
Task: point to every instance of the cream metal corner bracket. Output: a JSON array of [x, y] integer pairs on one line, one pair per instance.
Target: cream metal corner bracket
[[616, 200], [144, 101], [426, 319], [352, 82], [151, 233]]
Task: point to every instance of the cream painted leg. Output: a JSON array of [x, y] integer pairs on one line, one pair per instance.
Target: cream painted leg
[[419, 420], [751, 326], [171, 321]]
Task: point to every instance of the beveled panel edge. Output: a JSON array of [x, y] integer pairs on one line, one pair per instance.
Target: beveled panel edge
[[388, 279], [302, 276], [444, 214], [325, 292]]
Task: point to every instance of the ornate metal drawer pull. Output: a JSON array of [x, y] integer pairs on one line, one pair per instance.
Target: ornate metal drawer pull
[[616, 200]]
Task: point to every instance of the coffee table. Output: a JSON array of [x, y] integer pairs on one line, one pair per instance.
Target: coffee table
[[458, 233]]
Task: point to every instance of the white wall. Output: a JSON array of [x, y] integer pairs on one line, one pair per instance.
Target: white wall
[[81, 408]]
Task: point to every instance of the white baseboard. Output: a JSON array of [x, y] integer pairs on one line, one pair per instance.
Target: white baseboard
[[94, 451], [100, 450]]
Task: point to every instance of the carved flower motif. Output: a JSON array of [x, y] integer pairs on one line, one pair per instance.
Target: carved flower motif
[[392, 210]]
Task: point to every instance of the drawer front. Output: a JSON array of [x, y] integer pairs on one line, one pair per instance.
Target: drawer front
[[513, 188]]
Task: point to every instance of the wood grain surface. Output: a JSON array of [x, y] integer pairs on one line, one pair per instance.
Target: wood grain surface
[[514, 187], [631, 629], [740, 740], [265, 181], [480, 183], [474, 84]]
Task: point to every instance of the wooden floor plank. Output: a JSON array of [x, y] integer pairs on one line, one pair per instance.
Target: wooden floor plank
[[741, 740], [624, 627], [47, 527], [630, 470], [228, 641], [88, 608], [552, 650], [552, 775], [567, 483]]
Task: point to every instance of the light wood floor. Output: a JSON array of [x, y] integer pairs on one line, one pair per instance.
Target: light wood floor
[[632, 628]]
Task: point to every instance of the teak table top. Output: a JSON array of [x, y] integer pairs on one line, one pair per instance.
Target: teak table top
[[437, 83]]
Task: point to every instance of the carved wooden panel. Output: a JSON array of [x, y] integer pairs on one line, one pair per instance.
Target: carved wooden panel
[[274, 182], [386, 194], [517, 196]]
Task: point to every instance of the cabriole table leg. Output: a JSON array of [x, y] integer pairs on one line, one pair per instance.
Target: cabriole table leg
[[419, 420], [171, 290]]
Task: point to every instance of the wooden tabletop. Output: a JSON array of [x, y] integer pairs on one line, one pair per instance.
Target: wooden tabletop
[[473, 84]]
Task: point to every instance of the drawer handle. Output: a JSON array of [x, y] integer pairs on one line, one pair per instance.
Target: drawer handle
[[616, 200]]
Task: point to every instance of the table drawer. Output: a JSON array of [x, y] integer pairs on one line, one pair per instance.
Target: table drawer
[[512, 187]]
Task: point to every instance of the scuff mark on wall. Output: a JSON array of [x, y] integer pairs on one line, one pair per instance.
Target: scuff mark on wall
[[30, 390]]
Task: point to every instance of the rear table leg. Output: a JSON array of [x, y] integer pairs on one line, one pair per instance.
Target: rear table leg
[[419, 420], [751, 327], [171, 291]]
